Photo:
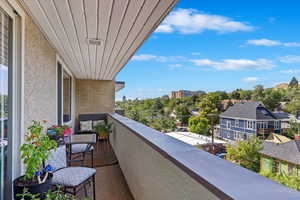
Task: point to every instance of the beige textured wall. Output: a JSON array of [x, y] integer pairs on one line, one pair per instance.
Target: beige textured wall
[[149, 175], [95, 96], [39, 77]]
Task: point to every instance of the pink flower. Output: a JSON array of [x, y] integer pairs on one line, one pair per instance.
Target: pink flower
[[67, 131]]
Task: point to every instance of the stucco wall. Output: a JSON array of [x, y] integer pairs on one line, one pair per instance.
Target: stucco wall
[[39, 77], [95, 96]]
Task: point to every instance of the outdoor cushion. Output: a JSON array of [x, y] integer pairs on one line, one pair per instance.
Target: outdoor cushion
[[72, 176], [86, 125], [58, 158], [80, 148]]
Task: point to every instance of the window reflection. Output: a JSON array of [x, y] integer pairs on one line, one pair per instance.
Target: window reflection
[[66, 97]]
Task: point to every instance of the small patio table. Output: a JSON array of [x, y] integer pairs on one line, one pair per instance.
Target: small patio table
[[89, 139]]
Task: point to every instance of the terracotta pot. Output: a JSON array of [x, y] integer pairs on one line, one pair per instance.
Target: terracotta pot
[[297, 137]]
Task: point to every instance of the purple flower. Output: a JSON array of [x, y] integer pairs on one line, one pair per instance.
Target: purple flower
[[49, 168]]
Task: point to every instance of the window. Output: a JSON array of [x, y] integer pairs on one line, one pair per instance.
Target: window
[[277, 124], [64, 95], [5, 96], [236, 123]]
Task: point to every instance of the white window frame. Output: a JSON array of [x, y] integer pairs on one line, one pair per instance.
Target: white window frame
[[60, 61], [13, 9]]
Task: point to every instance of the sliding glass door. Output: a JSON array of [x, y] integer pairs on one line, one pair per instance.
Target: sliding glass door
[[5, 97]]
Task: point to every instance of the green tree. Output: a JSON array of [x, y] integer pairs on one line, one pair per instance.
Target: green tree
[[294, 83], [245, 153], [294, 106], [272, 99], [293, 130], [199, 124], [163, 124], [182, 114], [258, 93], [236, 94]]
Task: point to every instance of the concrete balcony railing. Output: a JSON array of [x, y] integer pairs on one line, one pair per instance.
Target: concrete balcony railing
[[157, 166]]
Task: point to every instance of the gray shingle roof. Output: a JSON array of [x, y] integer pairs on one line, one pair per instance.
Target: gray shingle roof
[[248, 110], [289, 151]]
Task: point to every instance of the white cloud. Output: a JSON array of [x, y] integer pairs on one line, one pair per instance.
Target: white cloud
[[291, 44], [235, 64], [270, 43], [264, 42], [290, 59], [174, 66], [164, 28], [290, 71], [191, 21], [149, 57], [251, 79]]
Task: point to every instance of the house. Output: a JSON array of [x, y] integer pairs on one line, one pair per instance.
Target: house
[[281, 158], [244, 120], [285, 119], [225, 104], [59, 59]]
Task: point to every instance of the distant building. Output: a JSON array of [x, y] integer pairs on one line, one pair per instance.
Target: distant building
[[281, 158], [228, 102], [184, 93], [244, 120]]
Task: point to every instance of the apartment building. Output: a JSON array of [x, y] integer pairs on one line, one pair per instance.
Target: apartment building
[[184, 93]]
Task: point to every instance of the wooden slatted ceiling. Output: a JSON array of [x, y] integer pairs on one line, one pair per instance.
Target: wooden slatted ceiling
[[121, 25]]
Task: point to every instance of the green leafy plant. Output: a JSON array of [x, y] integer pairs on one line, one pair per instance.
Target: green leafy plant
[[27, 195], [103, 129], [36, 150], [290, 181], [245, 153]]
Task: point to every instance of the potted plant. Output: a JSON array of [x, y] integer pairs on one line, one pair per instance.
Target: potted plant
[[103, 130], [58, 133], [34, 152]]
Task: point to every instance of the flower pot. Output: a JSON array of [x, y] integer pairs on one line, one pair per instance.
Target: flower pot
[[33, 188], [297, 137], [103, 135]]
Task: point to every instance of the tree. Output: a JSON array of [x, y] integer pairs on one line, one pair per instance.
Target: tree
[[236, 94], [246, 94], [294, 83], [209, 104], [245, 153], [293, 130], [272, 99], [294, 106], [182, 114], [199, 124], [163, 124], [258, 93]]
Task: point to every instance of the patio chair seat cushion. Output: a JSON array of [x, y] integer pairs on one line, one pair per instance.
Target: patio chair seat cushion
[[72, 176], [80, 148]]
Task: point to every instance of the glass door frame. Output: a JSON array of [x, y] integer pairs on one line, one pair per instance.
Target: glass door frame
[[15, 92]]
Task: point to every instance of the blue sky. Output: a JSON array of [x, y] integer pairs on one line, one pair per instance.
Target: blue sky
[[217, 45]]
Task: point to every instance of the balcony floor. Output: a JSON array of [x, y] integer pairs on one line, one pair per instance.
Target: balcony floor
[[110, 182]]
